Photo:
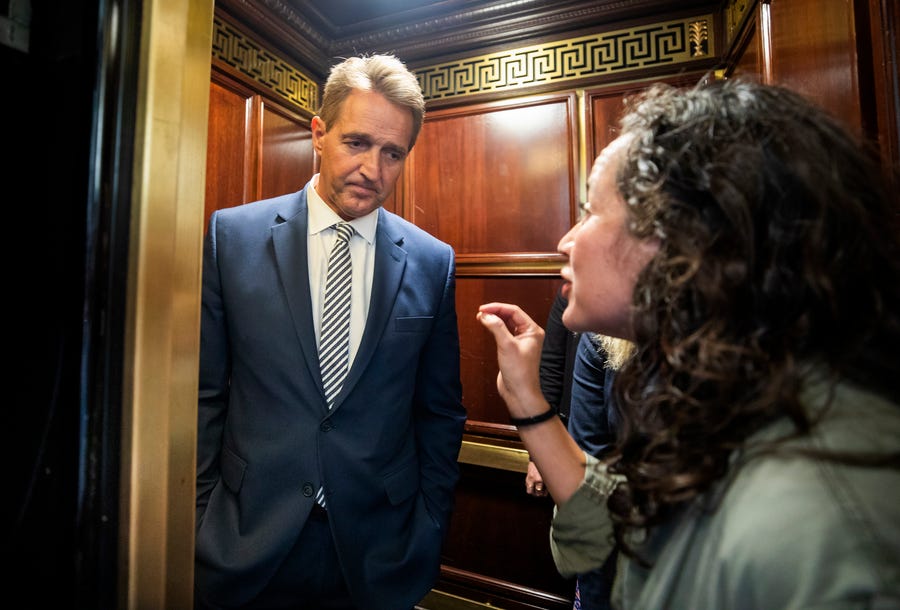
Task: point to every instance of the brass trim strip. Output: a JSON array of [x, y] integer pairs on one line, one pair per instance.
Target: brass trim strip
[[495, 456], [517, 264], [155, 566], [584, 164], [736, 12]]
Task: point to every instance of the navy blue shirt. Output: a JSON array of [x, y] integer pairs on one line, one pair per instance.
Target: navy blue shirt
[[591, 423]]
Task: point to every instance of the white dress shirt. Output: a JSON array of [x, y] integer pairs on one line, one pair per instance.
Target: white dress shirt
[[320, 239]]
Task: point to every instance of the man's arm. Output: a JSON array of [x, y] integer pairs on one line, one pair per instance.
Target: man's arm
[[215, 365], [440, 415]]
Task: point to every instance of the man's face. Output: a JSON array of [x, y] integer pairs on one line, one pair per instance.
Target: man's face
[[362, 153]]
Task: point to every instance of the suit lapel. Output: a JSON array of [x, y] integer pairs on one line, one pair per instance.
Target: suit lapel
[[289, 239], [390, 262]]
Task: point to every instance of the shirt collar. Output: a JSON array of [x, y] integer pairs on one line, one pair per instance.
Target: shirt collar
[[321, 216]]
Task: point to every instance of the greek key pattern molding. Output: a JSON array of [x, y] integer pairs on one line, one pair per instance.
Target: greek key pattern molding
[[245, 55], [620, 51], [615, 52]]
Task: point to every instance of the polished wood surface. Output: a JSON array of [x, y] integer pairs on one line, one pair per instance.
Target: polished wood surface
[[814, 52], [287, 159], [257, 148], [880, 89], [478, 352], [497, 549], [606, 104], [497, 178], [843, 54], [227, 150]]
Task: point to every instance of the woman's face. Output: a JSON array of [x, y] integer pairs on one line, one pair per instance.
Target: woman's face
[[604, 259]]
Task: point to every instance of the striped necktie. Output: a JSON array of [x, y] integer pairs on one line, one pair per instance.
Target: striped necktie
[[334, 343]]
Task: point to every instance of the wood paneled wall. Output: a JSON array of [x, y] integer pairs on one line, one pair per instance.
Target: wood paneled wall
[[484, 177], [497, 181], [814, 51], [842, 54], [256, 147], [604, 107], [500, 181], [287, 160]]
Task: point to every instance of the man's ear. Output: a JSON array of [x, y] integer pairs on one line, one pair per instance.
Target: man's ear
[[318, 128]]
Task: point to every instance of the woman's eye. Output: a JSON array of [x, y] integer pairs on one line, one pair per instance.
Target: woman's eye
[[584, 210]]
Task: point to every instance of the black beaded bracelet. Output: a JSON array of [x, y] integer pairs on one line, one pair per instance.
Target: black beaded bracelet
[[522, 422]]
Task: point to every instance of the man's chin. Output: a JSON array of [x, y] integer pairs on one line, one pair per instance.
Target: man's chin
[[355, 207]]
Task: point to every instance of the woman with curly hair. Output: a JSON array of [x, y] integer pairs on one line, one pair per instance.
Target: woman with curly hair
[[748, 247]]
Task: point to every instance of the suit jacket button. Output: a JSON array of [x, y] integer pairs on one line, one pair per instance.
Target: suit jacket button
[[308, 489], [326, 426]]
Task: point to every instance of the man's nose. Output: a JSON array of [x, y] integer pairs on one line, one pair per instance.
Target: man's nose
[[371, 164]]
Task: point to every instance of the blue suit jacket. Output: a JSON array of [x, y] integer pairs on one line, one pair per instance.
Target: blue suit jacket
[[386, 453]]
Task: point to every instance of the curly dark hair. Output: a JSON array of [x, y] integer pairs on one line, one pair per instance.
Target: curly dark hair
[[779, 248]]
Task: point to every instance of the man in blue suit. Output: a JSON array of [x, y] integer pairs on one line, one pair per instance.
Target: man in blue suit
[[383, 456]]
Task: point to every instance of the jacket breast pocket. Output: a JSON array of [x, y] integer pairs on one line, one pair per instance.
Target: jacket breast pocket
[[413, 324]]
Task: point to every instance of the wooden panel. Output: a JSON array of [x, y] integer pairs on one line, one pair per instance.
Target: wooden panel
[[498, 182], [227, 149], [814, 52], [393, 201], [255, 149], [881, 87], [497, 550], [496, 178], [287, 160], [478, 351], [605, 105]]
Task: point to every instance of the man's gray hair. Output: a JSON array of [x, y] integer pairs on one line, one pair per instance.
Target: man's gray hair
[[384, 74]]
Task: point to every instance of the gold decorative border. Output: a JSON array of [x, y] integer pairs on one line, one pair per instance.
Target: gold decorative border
[[615, 52], [248, 57], [735, 13]]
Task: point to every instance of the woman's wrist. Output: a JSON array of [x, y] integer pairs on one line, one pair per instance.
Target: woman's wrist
[[524, 422]]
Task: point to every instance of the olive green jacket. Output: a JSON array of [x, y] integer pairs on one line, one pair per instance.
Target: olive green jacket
[[778, 532]]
